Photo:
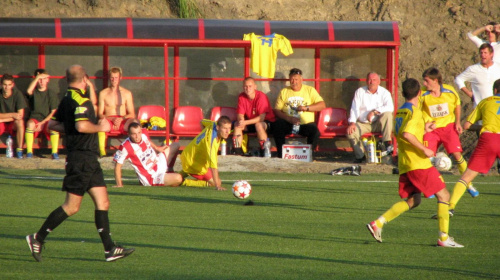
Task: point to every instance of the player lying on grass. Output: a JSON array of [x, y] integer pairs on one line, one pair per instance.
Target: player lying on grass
[[416, 173]]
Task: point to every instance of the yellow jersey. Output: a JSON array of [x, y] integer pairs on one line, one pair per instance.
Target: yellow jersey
[[289, 99], [201, 153], [440, 109], [488, 110], [410, 119], [264, 52]]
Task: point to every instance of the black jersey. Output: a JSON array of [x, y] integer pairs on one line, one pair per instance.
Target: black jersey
[[76, 106], [42, 103]]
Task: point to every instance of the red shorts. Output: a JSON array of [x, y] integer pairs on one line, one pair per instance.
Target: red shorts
[[426, 181], [45, 130], [7, 127], [205, 177], [117, 130], [485, 153], [447, 136]]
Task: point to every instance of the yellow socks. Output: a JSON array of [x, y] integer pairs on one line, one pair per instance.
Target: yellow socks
[[443, 219], [461, 165], [54, 141], [102, 143], [194, 183], [29, 139], [458, 191], [391, 214]]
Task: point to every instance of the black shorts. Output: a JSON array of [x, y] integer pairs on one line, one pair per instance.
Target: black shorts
[[251, 127], [83, 172]]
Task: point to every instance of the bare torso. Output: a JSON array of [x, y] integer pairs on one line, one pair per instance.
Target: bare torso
[[116, 102]]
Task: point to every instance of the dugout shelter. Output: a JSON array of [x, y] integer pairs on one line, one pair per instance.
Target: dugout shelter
[[199, 62]]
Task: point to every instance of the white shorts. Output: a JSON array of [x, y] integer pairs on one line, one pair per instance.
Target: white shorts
[[158, 177]]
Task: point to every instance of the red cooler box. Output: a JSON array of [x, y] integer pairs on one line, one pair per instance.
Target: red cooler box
[[300, 152]]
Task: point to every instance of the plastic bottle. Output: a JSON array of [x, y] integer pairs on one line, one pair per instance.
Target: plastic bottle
[[223, 148], [365, 141], [9, 151], [267, 148], [371, 151], [295, 129]]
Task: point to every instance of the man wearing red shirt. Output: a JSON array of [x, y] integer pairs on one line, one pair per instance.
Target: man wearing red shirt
[[255, 114]]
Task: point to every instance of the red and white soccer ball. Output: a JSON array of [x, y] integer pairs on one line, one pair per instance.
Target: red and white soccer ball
[[241, 189], [442, 162]]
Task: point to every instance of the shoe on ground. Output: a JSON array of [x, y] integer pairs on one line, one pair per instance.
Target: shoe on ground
[[451, 212], [118, 252], [472, 191], [375, 231], [360, 160], [29, 155], [19, 154], [450, 242], [35, 247], [55, 156]]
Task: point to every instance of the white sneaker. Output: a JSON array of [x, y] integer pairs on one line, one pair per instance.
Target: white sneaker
[[375, 231], [450, 242]]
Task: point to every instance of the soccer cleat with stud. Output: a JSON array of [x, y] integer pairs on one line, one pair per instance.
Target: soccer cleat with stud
[[451, 212], [472, 191], [55, 156], [118, 252], [375, 231], [19, 154], [29, 155], [35, 247], [450, 242]]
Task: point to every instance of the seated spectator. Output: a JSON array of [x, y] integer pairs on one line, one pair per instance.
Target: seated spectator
[[116, 105], [12, 107], [371, 111], [254, 115], [295, 106], [151, 168], [43, 104]]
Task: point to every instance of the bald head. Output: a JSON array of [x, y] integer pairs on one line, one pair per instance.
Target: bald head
[[75, 76]]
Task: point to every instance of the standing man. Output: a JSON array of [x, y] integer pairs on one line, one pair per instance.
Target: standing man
[[296, 105], [481, 75], [151, 168], [199, 158], [254, 115], [440, 105], [116, 105], [492, 32], [416, 173], [43, 104], [371, 111], [487, 149], [75, 117], [12, 105]]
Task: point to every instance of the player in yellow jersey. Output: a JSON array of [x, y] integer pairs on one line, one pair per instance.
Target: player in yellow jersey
[[487, 149], [440, 104], [199, 158], [416, 173]]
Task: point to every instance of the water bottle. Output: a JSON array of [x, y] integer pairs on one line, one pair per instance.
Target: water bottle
[[223, 148], [9, 151], [365, 142], [267, 148], [295, 129], [371, 151]]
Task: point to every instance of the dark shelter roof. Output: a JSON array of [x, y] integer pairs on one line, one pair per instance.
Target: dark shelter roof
[[196, 29]]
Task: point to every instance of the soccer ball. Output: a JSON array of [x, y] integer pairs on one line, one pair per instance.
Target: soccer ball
[[241, 189], [442, 162]]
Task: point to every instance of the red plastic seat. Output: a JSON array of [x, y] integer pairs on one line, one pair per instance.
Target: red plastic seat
[[223, 111], [148, 111], [187, 121], [333, 122]]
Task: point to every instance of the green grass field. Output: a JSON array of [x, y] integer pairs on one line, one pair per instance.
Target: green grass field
[[302, 226]]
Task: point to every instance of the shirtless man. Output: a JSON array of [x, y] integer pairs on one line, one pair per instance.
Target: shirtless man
[[116, 105]]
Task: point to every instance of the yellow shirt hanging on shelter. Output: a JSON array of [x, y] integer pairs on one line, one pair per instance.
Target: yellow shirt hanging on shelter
[[265, 51]]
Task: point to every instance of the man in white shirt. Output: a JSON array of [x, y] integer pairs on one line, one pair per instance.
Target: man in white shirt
[[371, 111], [481, 76], [492, 32]]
